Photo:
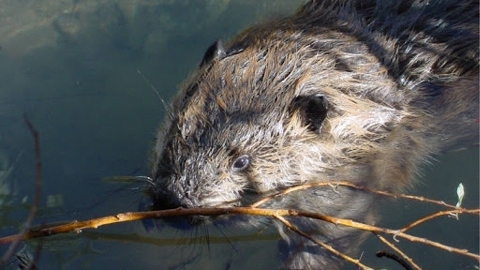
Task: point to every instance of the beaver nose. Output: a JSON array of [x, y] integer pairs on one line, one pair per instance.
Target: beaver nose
[[166, 200]]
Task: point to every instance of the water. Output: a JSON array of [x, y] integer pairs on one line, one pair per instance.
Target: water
[[72, 67]]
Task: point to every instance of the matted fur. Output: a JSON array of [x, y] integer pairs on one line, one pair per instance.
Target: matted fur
[[401, 80]]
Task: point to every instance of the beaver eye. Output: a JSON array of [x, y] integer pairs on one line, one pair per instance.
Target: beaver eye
[[241, 163]]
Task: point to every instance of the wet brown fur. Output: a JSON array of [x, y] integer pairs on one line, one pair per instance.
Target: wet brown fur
[[401, 82]]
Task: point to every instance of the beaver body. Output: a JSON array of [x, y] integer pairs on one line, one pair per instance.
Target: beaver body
[[363, 91]]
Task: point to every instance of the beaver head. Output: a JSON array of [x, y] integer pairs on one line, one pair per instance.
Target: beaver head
[[265, 115]]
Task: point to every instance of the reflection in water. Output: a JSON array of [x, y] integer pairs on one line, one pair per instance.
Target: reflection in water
[[72, 66], [5, 171]]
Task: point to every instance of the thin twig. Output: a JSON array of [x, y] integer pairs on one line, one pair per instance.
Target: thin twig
[[325, 246], [439, 214], [36, 198], [334, 184], [395, 233], [405, 257]]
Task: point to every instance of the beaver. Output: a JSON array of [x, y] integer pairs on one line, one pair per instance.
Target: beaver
[[359, 90]]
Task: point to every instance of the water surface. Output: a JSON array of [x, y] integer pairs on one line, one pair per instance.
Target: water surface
[[73, 68]]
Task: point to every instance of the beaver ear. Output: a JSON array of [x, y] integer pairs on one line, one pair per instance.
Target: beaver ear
[[214, 52], [312, 110]]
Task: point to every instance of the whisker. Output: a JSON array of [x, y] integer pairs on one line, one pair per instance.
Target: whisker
[[129, 179], [167, 108], [226, 237], [207, 239]]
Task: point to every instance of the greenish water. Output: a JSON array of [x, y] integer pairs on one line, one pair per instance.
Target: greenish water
[[72, 67]]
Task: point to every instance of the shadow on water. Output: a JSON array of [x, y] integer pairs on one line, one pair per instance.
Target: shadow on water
[[72, 66]]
